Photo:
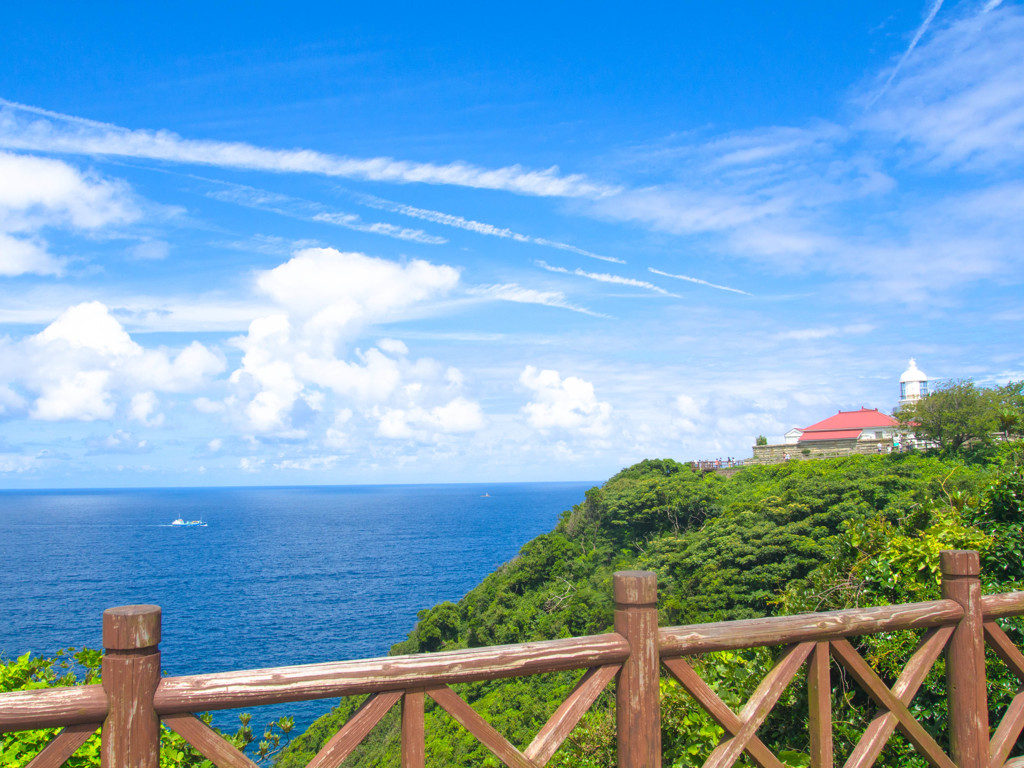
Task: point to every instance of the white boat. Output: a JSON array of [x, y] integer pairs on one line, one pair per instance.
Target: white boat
[[180, 523]]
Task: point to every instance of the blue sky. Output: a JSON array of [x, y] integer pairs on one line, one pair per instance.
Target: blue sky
[[282, 246]]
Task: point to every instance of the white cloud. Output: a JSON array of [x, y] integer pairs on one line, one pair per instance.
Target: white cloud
[[696, 280], [603, 277], [568, 403], [479, 227], [31, 128], [520, 295], [143, 409], [458, 415], [84, 364], [959, 101], [335, 291], [38, 192], [78, 395], [296, 371], [355, 223]]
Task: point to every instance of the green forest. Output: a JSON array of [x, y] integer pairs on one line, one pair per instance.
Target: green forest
[[774, 539], [786, 538]]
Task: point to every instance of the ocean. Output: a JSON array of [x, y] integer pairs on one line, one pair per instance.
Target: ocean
[[278, 576]]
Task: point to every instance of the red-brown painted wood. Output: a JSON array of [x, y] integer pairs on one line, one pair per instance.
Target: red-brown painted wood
[[131, 673], [1009, 729], [760, 703], [872, 684], [879, 731], [805, 627], [413, 736], [355, 730], [229, 690], [719, 711], [1002, 606], [637, 703], [469, 719], [211, 744], [965, 661], [63, 746], [569, 713], [819, 701], [52, 708]]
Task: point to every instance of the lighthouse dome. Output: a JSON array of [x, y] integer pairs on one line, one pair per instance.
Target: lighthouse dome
[[913, 373]]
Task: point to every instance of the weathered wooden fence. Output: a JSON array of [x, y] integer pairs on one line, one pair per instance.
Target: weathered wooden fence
[[133, 699]]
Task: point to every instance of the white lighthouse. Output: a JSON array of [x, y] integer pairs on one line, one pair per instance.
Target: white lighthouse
[[913, 384]]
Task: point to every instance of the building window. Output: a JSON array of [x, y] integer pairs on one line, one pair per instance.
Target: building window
[[924, 389], [903, 390]]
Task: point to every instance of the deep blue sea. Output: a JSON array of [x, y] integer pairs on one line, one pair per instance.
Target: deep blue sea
[[279, 576]]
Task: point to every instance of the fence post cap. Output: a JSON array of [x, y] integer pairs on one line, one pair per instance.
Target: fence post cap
[[959, 562], [635, 587], [131, 627]]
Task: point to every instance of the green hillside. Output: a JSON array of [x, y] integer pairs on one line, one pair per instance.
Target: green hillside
[[787, 538]]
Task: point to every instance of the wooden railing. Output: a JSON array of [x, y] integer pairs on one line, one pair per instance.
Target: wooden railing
[[133, 699]]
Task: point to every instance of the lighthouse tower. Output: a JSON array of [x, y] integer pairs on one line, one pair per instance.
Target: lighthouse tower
[[913, 384]]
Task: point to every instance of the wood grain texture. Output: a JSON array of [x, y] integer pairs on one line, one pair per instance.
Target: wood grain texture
[[52, 708], [131, 673], [211, 744], [1004, 648], [719, 711], [819, 706], [569, 713], [63, 746], [355, 730], [637, 701], [852, 661], [760, 703], [413, 735], [881, 727], [468, 718], [130, 627], [965, 661], [225, 690], [805, 627], [1009, 729], [1006, 735], [1002, 606]]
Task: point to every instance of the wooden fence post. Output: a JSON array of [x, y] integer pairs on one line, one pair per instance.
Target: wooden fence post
[[637, 704], [131, 673], [965, 661]]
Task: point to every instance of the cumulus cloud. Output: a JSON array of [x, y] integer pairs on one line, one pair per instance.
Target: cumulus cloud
[[84, 366], [297, 368], [333, 291], [568, 404], [38, 192]]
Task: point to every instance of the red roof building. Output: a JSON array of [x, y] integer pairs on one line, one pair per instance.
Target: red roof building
[[865, 424]]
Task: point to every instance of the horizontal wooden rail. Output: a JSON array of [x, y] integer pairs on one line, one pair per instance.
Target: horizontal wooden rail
[[228, 690], [58, 707], [1003, 606], [52, 708], [133, 698], [805, 627]]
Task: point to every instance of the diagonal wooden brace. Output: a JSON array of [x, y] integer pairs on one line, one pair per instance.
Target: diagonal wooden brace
[[872, 684]]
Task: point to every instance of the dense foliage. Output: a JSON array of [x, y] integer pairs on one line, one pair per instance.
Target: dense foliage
[[958, 413], [82, 667], [791, 537]]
